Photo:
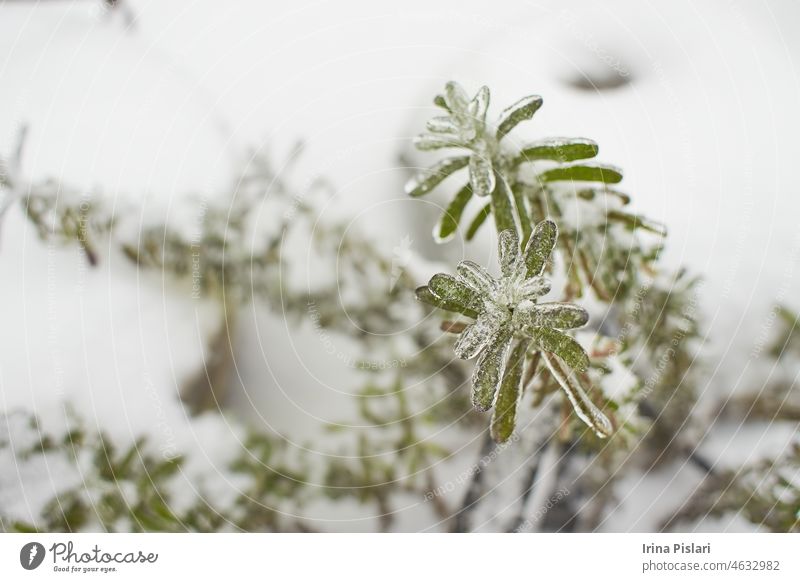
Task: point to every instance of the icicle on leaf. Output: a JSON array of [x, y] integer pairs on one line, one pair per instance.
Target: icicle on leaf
[[448, 223], [476, 277], [556, 315], [425, 295], [560, 344], [481, 175], [504, 416], [535, 287], [540, 246], [581, 403], [559, 150], [582, 173], [508, 246], [478, 221], [489, 369], [522, 110], [479, 105], [442, 124], [455, 97], [448, 288], [427, 142], [478, 335], [428, 179]]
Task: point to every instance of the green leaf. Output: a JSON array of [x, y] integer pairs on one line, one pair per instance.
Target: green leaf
[[504, 416], [448, 288], [479, 104], [443, 124], [523, 213], [559, 150], [478, 221], [427, 142], [590, 193], [428, 179], [440, 102], [508, 246], [582, 173], [540, 246], [634, 221], [522, 110], [562, 345], [481, 175], [448, 223], [477, 277], [557, 315], [581, 403], [503, 206], [489, 369], [425, 295], [455, 97], [478, 335]]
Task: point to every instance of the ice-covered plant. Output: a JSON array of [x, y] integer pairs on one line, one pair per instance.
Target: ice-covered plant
[[510, 323], [492, 161]]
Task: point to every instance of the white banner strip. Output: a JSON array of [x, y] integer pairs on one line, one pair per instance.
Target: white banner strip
[[401, 557]]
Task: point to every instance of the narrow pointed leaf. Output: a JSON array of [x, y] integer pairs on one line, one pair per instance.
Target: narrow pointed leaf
[[558, 315], [481, 175], [590, 193], [581, 403], [523, 213], [443, 124], [522, 110], [503, 207], [427, 142], [508, 245], [455, 97], [476, 277], [535, 287], [540, 246], [559, 150], [479, 104], [478, 335], [560, 344], [428, 179], [478, 221], [450, 289], [489, 369], [448, 223], [504, 416], [634, 221], [582, 173], [425, 295]]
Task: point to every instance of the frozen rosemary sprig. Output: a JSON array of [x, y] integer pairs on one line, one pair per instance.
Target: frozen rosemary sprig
[[509, 322], [492, 165]]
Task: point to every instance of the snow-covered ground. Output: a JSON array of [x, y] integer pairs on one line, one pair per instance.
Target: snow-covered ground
[[705, 127]]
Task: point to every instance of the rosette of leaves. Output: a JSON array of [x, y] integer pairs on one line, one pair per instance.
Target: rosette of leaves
[[493, 166], [509, 323]]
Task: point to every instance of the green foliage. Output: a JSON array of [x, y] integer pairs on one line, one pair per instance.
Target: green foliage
[[765, 493], [498, 171], [138, 489], [509, 320]]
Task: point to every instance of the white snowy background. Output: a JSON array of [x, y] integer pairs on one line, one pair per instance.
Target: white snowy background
[[706, 130]]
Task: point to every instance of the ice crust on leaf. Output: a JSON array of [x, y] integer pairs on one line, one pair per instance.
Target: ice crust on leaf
[[507, 313]]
